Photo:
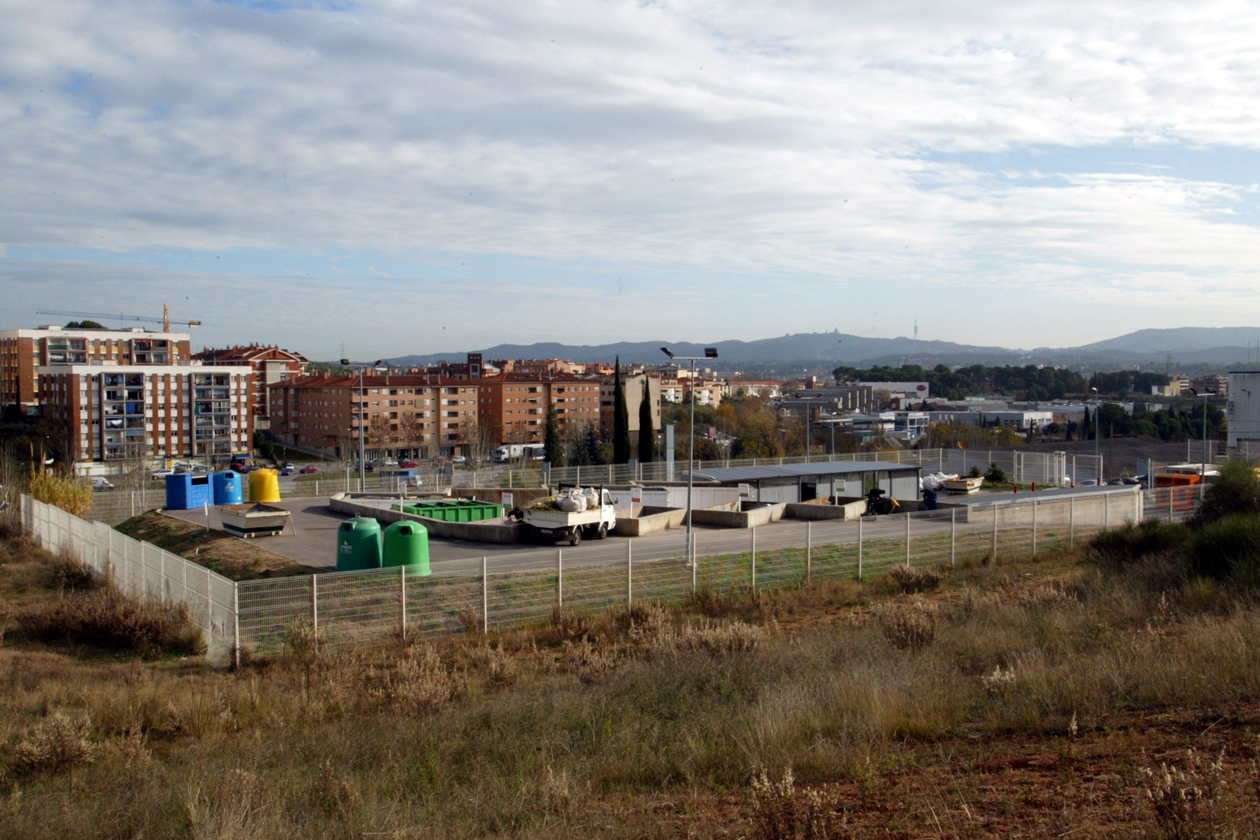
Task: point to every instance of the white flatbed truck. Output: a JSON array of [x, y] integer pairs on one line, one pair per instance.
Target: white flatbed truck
[[593, 523]]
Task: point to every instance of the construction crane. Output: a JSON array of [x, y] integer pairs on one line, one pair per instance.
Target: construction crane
[[165, 320]]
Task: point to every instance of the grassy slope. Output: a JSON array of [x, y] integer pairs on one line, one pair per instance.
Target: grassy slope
[[1040, 698], [231, 557]]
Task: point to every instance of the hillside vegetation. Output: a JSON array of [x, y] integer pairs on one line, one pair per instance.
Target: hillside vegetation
[[1111, 692]]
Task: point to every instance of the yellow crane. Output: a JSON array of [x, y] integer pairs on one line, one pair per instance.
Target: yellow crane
[[165, 320]]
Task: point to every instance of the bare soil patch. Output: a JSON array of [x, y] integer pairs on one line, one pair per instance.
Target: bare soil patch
[[230, 556]]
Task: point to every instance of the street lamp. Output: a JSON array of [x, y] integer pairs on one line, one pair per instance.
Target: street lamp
[[1205, 393], [375, 366], [709, 353], [1097, 457]]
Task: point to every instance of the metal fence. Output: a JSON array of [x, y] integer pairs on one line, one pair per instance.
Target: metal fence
[[524, 587], [141, 569]]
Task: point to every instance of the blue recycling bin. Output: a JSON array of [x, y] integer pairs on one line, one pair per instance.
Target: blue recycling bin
[[185, 491], [226, 488]]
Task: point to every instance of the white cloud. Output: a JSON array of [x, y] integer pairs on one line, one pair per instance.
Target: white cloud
[[746, 146]]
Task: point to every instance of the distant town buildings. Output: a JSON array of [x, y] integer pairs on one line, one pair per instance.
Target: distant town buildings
[[270, 365]]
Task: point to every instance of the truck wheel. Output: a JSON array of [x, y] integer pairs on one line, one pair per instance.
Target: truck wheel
[[602, 532], [575, 536]]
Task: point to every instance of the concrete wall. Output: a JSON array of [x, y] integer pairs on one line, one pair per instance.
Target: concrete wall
[[521, 496], [751, 518], [487, 531], [649, 520], [825, 510]]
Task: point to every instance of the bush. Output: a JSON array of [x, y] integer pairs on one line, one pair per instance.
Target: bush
[[1133, 543], [71, 494], [109, 619], [1228, 550], [1235, 491], [995, 475], [912, 580]]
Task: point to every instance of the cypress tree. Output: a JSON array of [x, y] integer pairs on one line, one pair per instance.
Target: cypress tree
[[621, 419], [552, 446], [647, 434]]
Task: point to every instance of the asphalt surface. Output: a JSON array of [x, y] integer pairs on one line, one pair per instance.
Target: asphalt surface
[[315, 542]]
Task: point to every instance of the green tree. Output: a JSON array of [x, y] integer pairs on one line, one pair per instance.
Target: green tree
[[84, 325], [647, 434], [553, 448], [621, 419]]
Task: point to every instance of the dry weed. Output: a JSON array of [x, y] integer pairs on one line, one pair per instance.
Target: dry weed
[[999, 680], [1185, 800], [589, 661], [55, 744], [570, 623], [500, 669], [779, 813], [910, 625], [108, 618], [418, 685], [69, 574], [912, 580]]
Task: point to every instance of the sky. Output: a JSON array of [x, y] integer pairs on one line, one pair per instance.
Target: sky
[[378, 179]]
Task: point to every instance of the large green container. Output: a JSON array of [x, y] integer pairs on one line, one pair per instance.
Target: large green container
[[407, 544], [358, 544]]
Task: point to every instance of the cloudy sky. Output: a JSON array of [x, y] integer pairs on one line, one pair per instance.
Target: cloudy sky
[[384, 178]]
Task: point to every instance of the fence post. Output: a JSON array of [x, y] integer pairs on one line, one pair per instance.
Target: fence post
[[559, 577], [315, 604], [1034, 546], [695, 561], [402, 587], [953, 534], [1106, 512], [809, 548], [485, 597], [753, 575], [1071, 522], [629, 576], [994, 550], [236, 623], [859, 548], [907, 538]]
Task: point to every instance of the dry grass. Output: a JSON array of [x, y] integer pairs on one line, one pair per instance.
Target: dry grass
[[657, 722], [67, 492]]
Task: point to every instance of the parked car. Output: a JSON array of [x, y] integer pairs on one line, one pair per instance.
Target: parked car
[[308, 470], [288, 465], [161, 475], [408, 464], [287, 470], [99, 483], [458, 459]]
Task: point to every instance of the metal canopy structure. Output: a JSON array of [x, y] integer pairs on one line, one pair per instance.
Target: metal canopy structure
[[804, 482]]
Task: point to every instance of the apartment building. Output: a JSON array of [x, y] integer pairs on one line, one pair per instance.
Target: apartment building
[[399, 414], [633, 386], [135, 413], [271, 364], [24, 351], [513, 407]]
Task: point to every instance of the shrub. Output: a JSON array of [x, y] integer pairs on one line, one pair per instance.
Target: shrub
[[913, 580], [109, 619], [995, 475], [778, 813], [1235, 491], [69, 574], [55, 744], [909, 626], [68, 492], [1133, 543], [1228, 549]]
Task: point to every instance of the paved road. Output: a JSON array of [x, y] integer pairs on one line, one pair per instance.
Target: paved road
[[315, 541]]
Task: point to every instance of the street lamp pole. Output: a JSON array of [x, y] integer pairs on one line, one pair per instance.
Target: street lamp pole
[[1097, 461], [709, 353], [1203, 469], [374, 365]]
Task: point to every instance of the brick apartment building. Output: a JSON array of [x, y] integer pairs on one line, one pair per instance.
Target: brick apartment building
[[130, 413], [400, 414], [513, 407], [24, 351], [271, 364]]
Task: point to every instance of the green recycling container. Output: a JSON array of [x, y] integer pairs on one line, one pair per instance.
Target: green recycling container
[[407, 544], [358, 544]]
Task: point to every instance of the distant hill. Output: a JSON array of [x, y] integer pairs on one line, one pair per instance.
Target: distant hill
[[1217, 346]]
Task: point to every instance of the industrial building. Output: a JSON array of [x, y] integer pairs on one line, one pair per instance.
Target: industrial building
[[804, 482]]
